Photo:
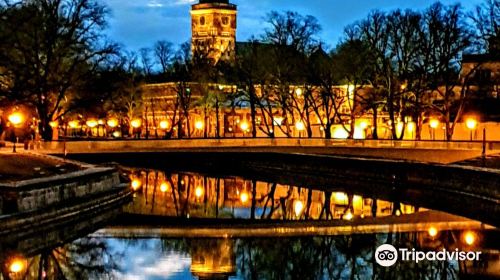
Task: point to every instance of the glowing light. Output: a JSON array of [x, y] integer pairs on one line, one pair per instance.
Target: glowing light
[[198, 192], [73, 124], [244, 126], [398, 212], [164, 187], [100, 122], [350, 89], [363, 125], [112, 123], [469, 238], [298, 91], [117, 134], [399, 127], [136, 184], [278, 120], [359, 133], [432, 231], [54, 124], [340, 133], [410, 126], [341, 198], [434, 123], [298, 206], [164, 125], [244, 197], [471, 123], [199, 125], [91, 123], [136, 123], [17, 265], [348, 215], [300, 125], [16, 118]]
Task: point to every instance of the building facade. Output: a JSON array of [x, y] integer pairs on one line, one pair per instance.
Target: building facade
[[213, 25]]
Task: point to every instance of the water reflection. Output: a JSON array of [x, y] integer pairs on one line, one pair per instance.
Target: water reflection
[[85, 258], [189, 195], [195, 195], [333, 257]]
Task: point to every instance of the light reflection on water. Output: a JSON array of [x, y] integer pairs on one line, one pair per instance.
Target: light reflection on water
[[194, 195], [334, 257]]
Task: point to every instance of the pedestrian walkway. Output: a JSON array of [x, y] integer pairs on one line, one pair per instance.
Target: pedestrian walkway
[[490, 161]]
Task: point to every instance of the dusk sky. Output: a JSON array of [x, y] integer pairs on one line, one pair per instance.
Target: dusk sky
[[140, 23]]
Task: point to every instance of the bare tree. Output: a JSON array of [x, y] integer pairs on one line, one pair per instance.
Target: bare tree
[[146, 61], [164, 53], [47, 48]]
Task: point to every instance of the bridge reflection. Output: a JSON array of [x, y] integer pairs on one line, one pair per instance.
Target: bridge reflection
[[193, 195]]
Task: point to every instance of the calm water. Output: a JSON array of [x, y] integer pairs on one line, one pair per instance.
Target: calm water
[[125, 245]]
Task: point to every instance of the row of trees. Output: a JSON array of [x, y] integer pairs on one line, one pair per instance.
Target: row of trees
[[54, 58]]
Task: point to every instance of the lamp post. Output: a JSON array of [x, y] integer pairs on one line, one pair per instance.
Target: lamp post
[[15, 119], [300, 127], [434, 124], [136, 124], [471, 124]]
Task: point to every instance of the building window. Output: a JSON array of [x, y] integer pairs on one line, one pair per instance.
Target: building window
[[202, 20], [225, 20]]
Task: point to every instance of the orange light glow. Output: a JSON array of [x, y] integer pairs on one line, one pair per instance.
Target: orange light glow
[[469, 238], [136, 123], [433, 231], [16, 118], [112, 123], [198, 192], [244, 197], [17, 265], [136, 184], [164, 187]]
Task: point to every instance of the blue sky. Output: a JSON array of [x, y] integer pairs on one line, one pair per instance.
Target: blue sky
[[140, 23]]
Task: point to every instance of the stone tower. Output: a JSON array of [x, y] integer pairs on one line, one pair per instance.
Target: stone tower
[[213, 24]]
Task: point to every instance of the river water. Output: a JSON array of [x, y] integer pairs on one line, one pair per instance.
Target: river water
[[184, 225]]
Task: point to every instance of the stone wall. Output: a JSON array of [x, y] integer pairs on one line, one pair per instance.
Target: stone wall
[[40, 193]]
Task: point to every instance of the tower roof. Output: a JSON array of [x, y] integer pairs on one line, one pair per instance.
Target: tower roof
[[214, 1], [219, 4]]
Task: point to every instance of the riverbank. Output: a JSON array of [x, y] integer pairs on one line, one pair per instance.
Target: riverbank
[[23, 166]]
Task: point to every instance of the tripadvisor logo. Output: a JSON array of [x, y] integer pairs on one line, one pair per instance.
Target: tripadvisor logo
[[387, 255]]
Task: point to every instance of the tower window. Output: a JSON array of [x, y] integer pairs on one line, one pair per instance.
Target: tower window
[[202, 20], [225, 20]]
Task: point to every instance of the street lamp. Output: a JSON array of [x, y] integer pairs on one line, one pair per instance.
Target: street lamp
[[15, 119], [164, 125], [471, 124], [300, 127], [298, 206], [112, 123], [136, 123], [244, 126], [199, 125], [434, 124]]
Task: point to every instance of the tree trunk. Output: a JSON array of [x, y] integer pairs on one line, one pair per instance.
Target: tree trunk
[[253, 111], [217, 119], [375, 123]]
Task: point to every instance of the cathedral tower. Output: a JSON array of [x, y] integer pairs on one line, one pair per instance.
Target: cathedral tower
[[213, 24]]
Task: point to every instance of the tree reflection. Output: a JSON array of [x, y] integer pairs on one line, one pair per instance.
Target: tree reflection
[[85, 258], [195, 195]]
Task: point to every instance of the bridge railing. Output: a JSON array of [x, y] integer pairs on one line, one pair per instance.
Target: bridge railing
[[124, 145]]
